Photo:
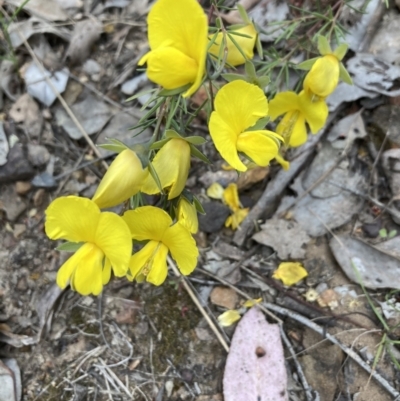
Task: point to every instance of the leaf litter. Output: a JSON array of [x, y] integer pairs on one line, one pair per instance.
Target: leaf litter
[[182, 346]]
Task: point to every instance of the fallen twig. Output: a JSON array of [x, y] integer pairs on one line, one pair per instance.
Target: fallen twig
[[348, 351]]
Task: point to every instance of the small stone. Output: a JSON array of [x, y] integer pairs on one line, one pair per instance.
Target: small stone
[[38, 155], [22, 187], [214, 219], [38, 198], [201, 239], [19, 229], [225, 297], [203, 334], [11, 203], [44, 180], [371, 230], [17, 167]]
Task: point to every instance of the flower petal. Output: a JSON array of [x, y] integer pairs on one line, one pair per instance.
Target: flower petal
[[323, 77], [224, 138], [88, 276], [172, 164], [122, 180], [114, 239], [240, 105], [257, 145], [72, 218], [159, 270], [231, 197], [315, 112], [282, 103], [229, 317], [292, 128], [183, 26], [106, 271], [170, 68], [182, 247], [66, 271], [147, 223], [234, 56], [140, 259], [187, 215], [236, 218]]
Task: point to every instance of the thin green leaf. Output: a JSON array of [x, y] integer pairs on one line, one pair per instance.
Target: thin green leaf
[[250, 70], [233, 77], [198, 205], [173, 92], [141, 93], [195, 140], [170, 134], [196, 153], [69, 246], [306, 65], [154, 174], [344, 75], [112, 147], [243, 13], [159, 144], [236, 45], [341, 51], [259, 125]]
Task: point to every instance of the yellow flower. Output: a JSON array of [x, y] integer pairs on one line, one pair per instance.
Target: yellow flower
[[236, 218], [122, 180], [325, 71], [229, 317], [297, 109], [290, 273], [323, 77], [238, 106], [149, 223], [187, 215], [177, 33], [106, 238], [234, 56], [172, 164]]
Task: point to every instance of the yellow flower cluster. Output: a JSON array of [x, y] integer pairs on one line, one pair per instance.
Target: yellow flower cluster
[[136, 244]]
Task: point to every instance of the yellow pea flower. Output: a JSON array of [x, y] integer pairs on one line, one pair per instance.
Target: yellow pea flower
[[186, 214], [172, 164], [149, 223], [290, 273], [234, 56], [323, 77], [238, 107], [122, 180], [297, 109], [177, 32], [106, 238]]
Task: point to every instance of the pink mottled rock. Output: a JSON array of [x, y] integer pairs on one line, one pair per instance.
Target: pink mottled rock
[[255, 368]]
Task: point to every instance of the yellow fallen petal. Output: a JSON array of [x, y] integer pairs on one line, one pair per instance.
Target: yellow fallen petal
[[323, 77], [122, 180], [290, 273], [215, 191], [251, 302], [236, 218], [229, 317], [72, 218], [231, 197]]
